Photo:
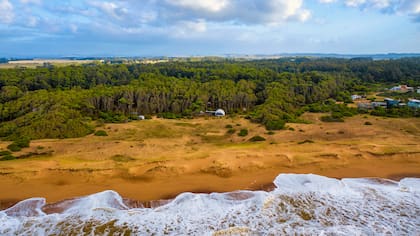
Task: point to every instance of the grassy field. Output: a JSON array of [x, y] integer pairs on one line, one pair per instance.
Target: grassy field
[[40, 62], [156, 159]]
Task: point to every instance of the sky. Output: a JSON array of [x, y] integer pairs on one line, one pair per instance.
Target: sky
[[59, 28]]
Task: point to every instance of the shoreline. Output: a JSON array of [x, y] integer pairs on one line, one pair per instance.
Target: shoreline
[[50, 206]]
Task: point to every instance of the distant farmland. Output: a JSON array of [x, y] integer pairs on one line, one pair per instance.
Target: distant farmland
[[40, 62]]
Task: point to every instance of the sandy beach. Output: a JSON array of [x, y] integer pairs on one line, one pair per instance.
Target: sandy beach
[[158, 159]]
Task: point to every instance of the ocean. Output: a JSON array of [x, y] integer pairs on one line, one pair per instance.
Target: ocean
[[300, 204]]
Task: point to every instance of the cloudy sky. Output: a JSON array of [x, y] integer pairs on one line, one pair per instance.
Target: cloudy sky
[[206, 27]]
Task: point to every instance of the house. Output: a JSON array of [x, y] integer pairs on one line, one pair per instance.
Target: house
[[391, 102], [406, 88], [414, 103], [402, 88], [220, 112], [396, 88], [379, 104], [418, 90], [355, 97]]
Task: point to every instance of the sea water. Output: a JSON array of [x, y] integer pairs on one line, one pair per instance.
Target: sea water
[[300, 204]]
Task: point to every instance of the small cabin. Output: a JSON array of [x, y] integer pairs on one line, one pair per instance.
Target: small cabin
[[219, 112], [414, 103]]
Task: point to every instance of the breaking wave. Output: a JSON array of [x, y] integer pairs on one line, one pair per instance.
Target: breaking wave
[[300, 204]]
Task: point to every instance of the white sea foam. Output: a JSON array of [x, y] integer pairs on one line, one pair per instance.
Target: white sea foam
[[300, 204]]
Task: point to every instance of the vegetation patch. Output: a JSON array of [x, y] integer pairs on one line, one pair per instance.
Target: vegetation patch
[[257, 138], [368, 123], [122, 158], [231, 131], [275, 124], [331, 119], [18, 144], [101, 133], [5, 153], [243, 132], [7, 157], [306, 141]]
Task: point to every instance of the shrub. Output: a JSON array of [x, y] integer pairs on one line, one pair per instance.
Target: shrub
[[101, 133], [368, 123], [8, 157], [169, 115], [306, 141], [5, 153], [14, 147], [228, 126], [243, 133], [231, 131], [275, 124], [270, 132], [19, 143], [257, 139], [331, 119], [22, 142]]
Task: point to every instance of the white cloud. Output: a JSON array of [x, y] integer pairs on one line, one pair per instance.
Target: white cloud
[[402, 7], [288, 10], [355, 3], [73, 28], [110, 8], [379, 4], [31, 1], [410, 7], [327, 1], [205, 5], [189, 29], [248, 12], [32, 21], [6, 12]]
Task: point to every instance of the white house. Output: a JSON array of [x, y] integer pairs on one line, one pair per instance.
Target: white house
[[219, 112], [414, 103]]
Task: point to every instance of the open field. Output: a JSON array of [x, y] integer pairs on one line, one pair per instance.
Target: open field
[[157, 159], [40, 62]]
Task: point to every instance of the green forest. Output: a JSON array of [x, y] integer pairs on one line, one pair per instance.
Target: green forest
[[64, 102]]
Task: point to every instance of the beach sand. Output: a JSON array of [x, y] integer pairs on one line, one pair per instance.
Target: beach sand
[[158, 159]]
